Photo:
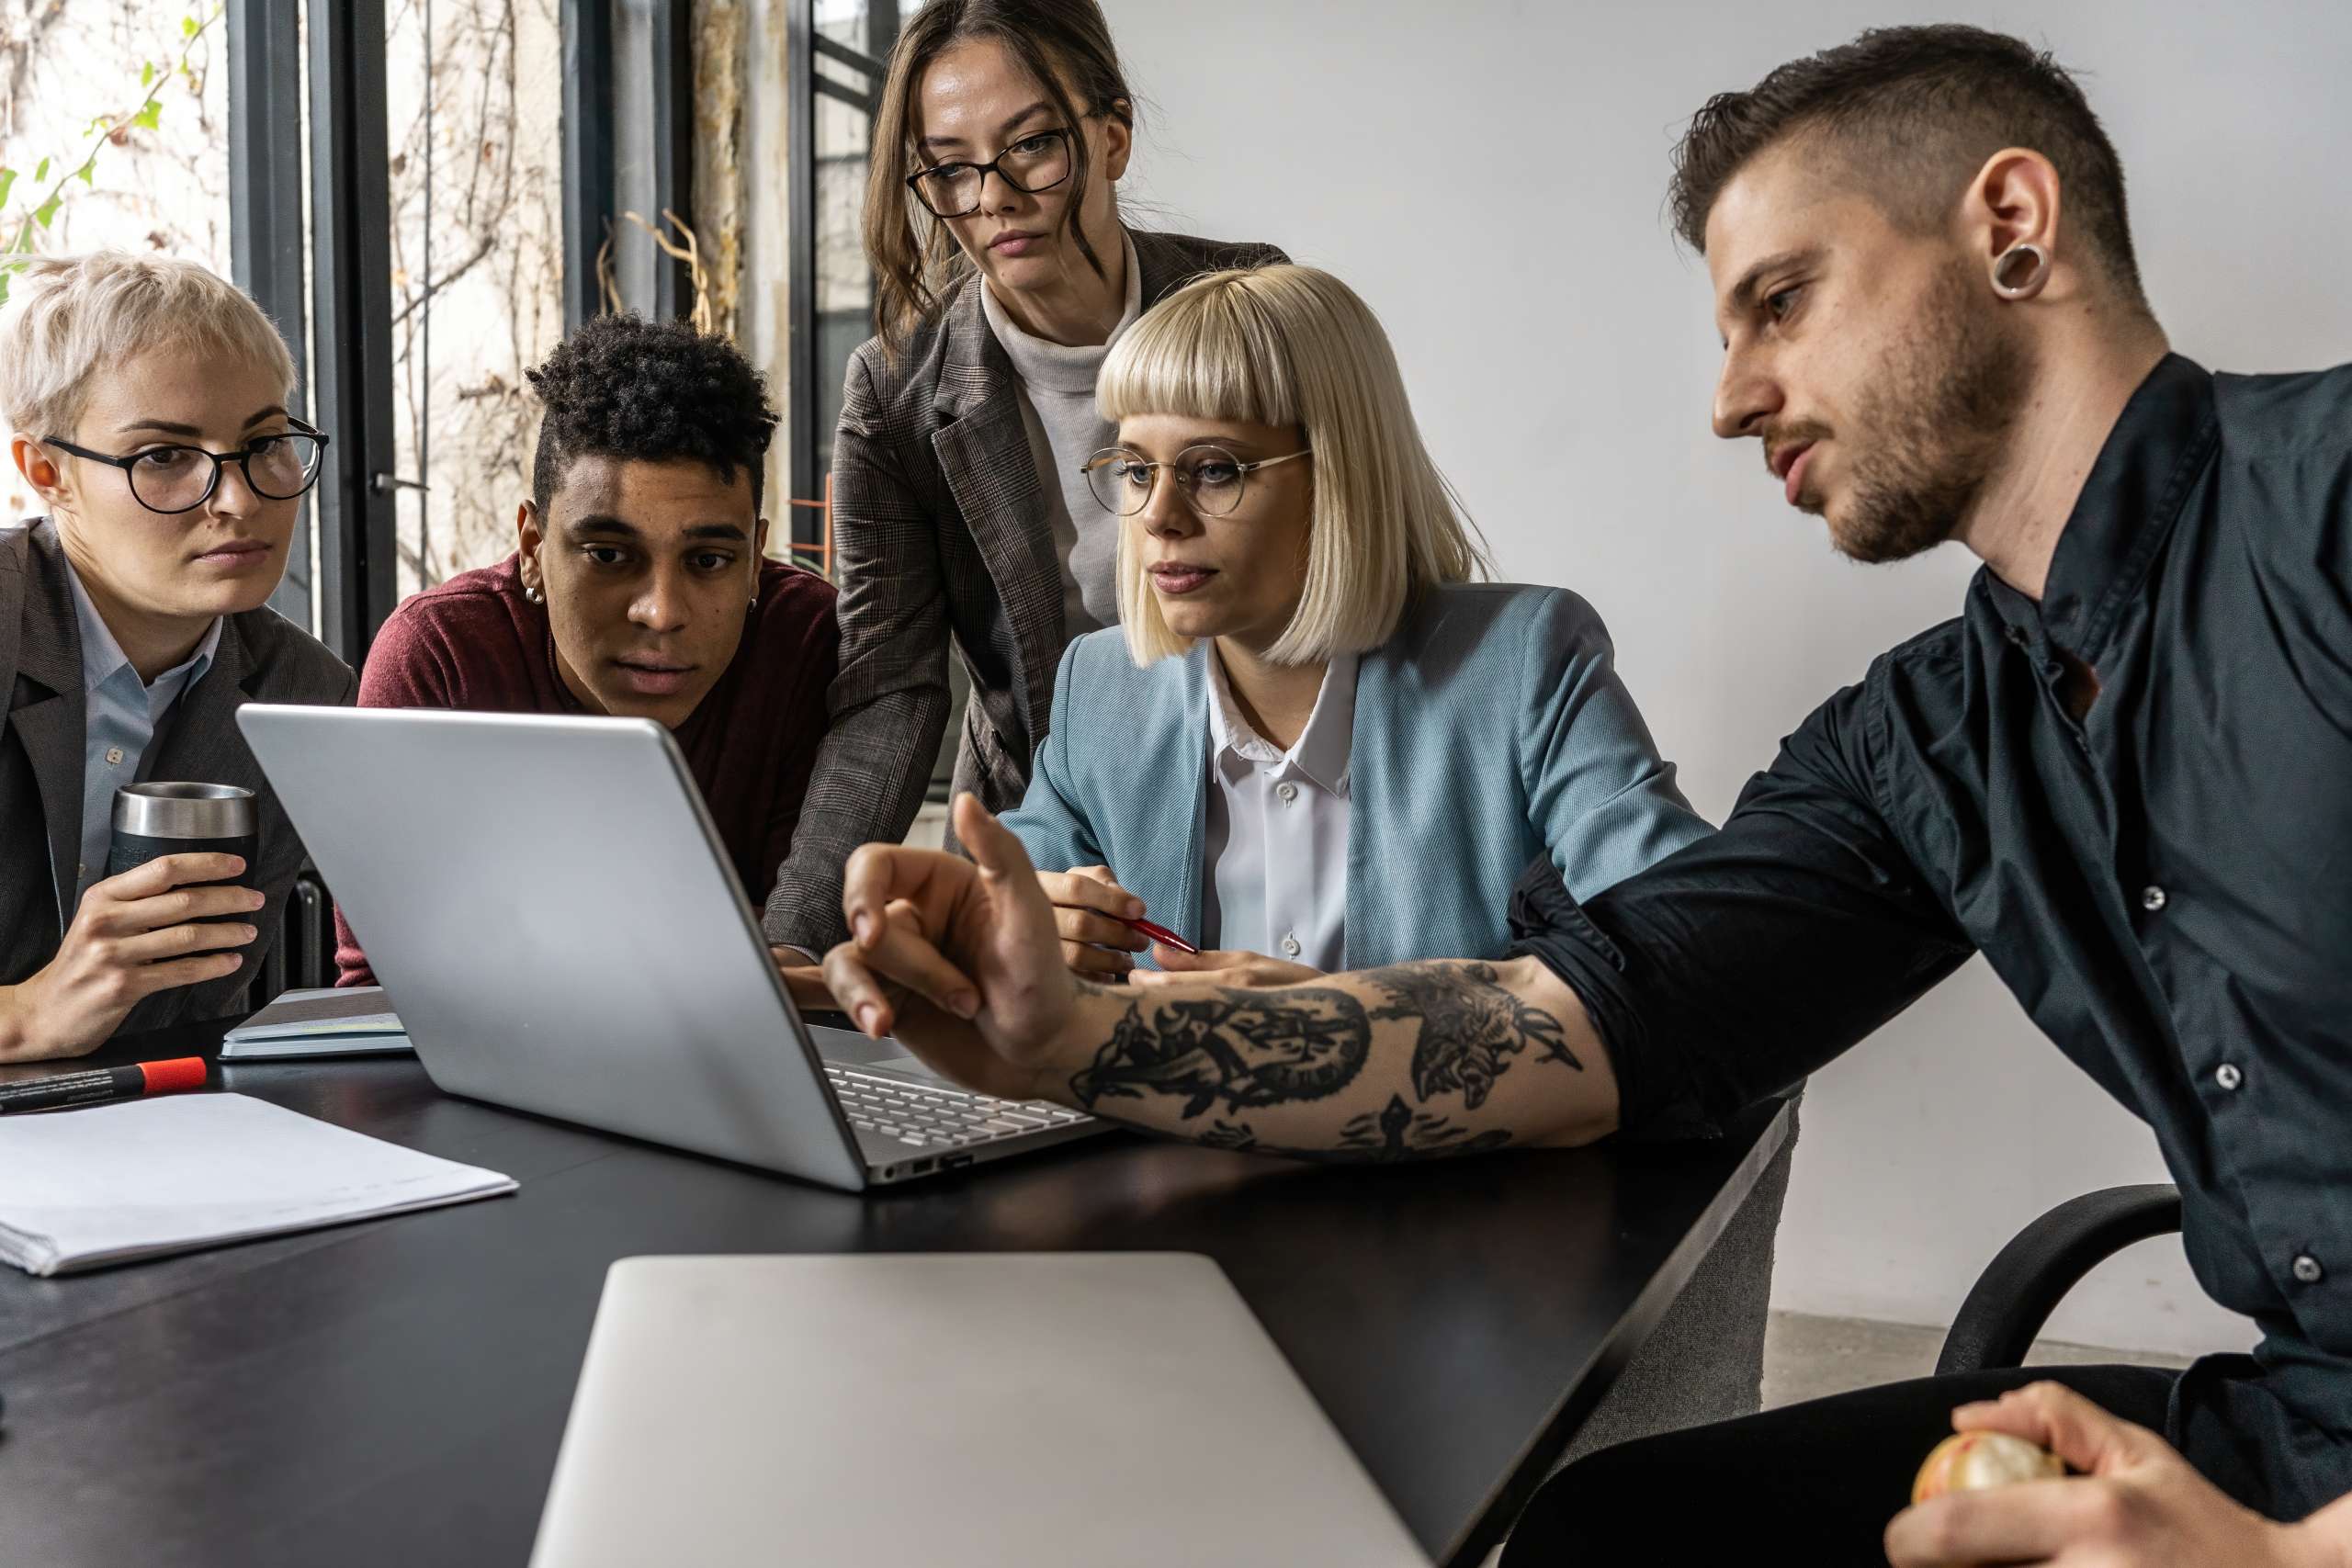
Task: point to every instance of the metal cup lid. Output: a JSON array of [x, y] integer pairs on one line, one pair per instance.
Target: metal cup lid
[[184, 810]]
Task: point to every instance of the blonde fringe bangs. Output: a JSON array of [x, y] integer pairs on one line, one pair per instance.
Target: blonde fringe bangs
[[1293, 345]]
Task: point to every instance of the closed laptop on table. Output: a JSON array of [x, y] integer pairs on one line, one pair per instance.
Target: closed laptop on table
[[980, 1410]]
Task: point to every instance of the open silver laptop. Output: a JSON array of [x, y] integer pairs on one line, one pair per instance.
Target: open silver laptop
[[552, 913], [1002, 1410]]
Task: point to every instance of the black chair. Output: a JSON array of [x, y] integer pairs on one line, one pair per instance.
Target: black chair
[[2013, 1298], [304, 957]]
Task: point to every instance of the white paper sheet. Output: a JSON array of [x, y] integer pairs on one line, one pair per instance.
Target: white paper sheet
[[108, 1183]]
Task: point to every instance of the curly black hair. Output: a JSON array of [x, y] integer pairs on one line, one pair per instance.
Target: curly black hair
[[623, 387]]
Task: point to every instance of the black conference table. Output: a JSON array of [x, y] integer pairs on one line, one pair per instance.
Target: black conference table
[[394, 1392]]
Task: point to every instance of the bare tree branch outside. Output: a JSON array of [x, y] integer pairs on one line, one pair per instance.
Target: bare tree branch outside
[[474, 98]]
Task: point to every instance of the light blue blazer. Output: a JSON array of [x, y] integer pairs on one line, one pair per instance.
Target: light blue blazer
[[1491, 728]]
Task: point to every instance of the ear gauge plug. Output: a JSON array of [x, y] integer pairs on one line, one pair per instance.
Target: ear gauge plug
[[2019, 272]]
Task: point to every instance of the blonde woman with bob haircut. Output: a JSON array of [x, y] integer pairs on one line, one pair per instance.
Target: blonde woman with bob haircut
[[148, 400], [1314, 742]]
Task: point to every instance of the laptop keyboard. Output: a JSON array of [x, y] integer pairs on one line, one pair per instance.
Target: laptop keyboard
[[926, 1118]]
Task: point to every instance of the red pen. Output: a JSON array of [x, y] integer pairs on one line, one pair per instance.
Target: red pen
[[1157, 934], [103, 1083]]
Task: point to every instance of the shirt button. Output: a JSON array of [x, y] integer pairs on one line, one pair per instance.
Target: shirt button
[[2308, 1270], [114, 756], [1289, 793], [1290, 946], [2152, 898], [2228, 1076]]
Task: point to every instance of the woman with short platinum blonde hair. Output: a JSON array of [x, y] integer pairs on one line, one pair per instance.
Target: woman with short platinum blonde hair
[[1293, 346], [1309, 705], [149, 405]]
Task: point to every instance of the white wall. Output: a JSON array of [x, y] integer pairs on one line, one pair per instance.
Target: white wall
[[1490, 174]]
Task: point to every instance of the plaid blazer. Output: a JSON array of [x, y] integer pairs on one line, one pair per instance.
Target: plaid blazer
[[939, 531], [261, 658]]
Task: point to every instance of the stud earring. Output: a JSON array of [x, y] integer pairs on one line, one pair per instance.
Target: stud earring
[[2014, 281], [531, 593]]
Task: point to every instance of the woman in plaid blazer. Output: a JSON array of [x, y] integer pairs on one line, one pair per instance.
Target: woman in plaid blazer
[[1003, 272]]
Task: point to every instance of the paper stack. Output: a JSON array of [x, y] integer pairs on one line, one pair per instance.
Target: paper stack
[[81, 1189]]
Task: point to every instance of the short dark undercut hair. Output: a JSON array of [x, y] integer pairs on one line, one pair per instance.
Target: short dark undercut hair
[[649, 391], [1916, 111]]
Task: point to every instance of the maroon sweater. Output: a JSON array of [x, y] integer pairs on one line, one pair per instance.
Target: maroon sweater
[[475, 642]]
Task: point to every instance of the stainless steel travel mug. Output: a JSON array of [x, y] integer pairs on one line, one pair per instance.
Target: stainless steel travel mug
[[153, 820]]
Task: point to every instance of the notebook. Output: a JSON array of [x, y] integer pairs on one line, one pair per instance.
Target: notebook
[[137, 1179], [352, 1020], [986, 1410]]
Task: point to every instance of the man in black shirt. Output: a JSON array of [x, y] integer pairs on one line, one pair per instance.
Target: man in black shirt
[[2123, 774]]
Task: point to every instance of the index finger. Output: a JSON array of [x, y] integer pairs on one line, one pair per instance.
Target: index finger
[[858, 991], [903, 955], [1078, 890], [878, 874], [1018, 903], [166, 872]]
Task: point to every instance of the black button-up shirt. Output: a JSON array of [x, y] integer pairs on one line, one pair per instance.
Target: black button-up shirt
[[2166, 883]]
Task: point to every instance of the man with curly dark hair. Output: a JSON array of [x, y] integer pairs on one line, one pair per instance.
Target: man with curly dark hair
[[639, 587]]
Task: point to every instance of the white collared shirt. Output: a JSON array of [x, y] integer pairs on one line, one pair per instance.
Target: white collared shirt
[[122, 716], [1277, 852]]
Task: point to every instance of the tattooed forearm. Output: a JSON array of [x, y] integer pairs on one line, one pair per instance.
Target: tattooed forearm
[[1243, 1048], [1469, 1027], [1353, 1067], [1397, 1133]]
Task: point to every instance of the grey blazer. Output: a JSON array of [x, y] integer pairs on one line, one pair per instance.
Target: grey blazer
[[939, 531], [261, 658]]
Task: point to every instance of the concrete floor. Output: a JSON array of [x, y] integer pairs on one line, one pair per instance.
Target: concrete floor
[[1812, 1357]]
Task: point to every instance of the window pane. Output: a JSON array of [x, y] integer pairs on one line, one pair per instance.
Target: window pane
[[845, 132], [162, 188], [474, 106]]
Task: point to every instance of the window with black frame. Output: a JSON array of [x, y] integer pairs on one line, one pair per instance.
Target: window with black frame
[[114, 134], [424, 194], [853, 50], [473, 104]]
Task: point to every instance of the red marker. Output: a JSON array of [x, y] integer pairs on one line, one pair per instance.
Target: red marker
[[102, 1083], [1157, 934]]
